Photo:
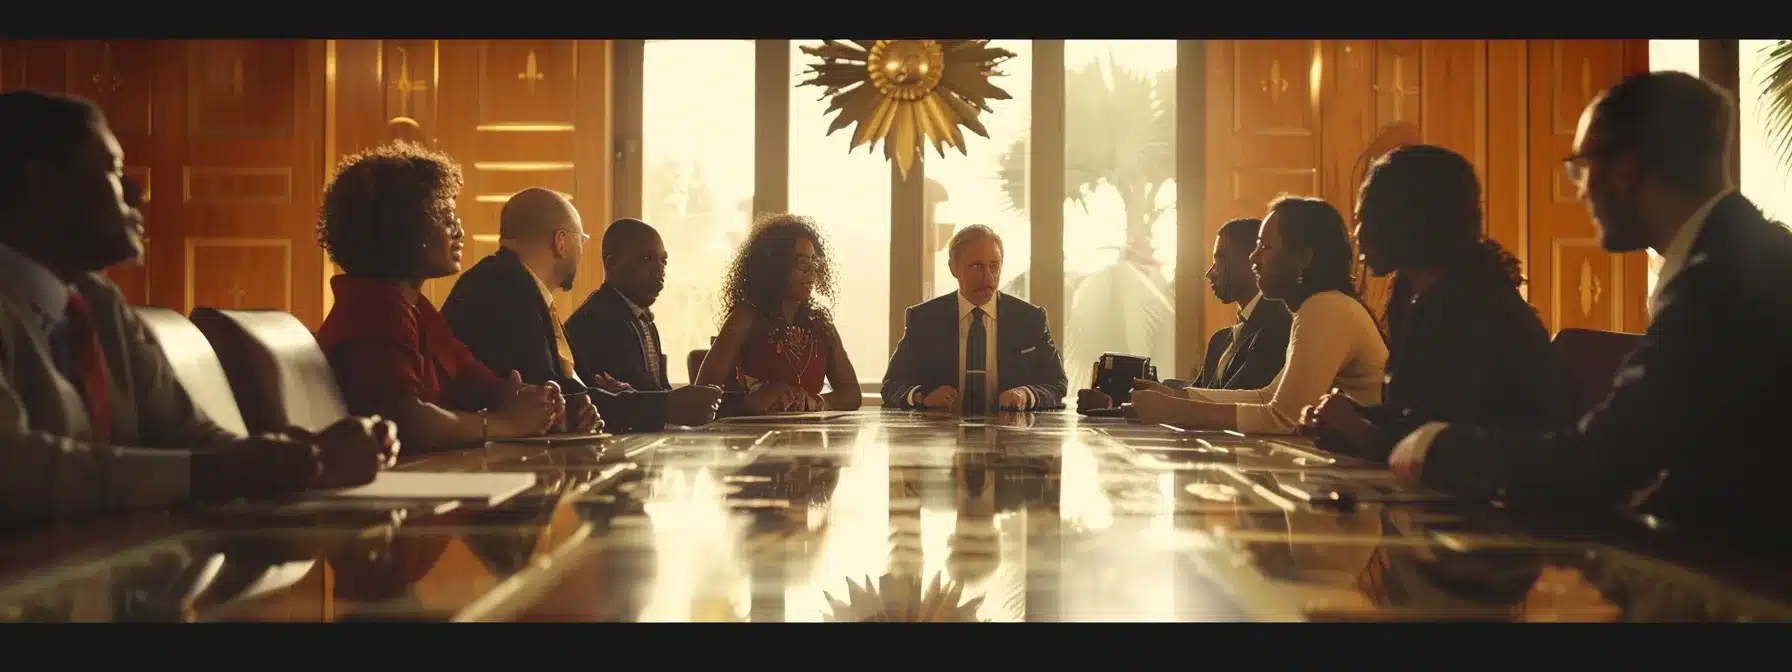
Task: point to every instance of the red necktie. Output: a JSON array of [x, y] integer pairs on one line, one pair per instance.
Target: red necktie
[[90, 367]]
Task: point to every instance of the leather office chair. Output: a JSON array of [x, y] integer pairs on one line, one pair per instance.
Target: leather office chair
[[693, 362], [276, 368], [196, 365], [1588, 360]]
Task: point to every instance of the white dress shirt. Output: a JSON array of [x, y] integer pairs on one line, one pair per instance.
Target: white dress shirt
[[991, 386], [1411, 450], [1245, 312], [1333, 342]]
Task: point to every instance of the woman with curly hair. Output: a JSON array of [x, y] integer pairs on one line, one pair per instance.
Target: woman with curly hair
[[1464, 346], [388, 221], [777, 341]]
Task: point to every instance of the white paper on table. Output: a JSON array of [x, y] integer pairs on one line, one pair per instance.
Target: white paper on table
[[556, 438], [815, 416], [492, 488]]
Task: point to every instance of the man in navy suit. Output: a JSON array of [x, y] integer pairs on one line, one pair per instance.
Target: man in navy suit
[[975, 350]]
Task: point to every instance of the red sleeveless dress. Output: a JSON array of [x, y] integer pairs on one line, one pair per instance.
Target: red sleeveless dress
[[795, 355]]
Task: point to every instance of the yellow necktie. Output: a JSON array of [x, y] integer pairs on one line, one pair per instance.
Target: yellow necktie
[[560, 344]]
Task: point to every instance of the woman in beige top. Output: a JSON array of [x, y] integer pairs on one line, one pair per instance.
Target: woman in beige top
[[1303, 259]]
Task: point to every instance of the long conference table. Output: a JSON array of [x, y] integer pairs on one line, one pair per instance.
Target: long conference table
[[883, 515]]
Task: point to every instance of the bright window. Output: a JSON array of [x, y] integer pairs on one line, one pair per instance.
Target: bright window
[[989, 185], [1120, 210], [697, 178], [1765, 178], [1678, 56], [849, 196]]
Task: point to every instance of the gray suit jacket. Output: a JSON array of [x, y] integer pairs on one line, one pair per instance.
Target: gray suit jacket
[[48, 470]]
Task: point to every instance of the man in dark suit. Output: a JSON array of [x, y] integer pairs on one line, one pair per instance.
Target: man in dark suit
[[952, 344], [614, 340], [1677, 438], [503, 307], [1249, 353]]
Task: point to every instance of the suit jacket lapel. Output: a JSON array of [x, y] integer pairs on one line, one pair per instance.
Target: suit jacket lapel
[[1221, 377], [1253, 325], [526, 279], [1008, 341], [1266, 313], [946, 313], [631, 327]]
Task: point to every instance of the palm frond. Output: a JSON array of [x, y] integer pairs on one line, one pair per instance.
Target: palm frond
[[1777, 97], [1013, 174]]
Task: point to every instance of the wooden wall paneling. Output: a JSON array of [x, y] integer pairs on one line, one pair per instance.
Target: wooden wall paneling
[[1504, 181], [1356, 119], [593, 158], [1575, 283], [362, 94], [1263, 133], [33, 64], [1453, 109], [246, 190], [515, 114]]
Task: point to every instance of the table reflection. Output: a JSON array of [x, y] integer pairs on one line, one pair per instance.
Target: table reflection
[[884, 515]]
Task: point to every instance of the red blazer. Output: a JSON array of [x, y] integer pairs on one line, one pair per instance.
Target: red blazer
[[382, 346]]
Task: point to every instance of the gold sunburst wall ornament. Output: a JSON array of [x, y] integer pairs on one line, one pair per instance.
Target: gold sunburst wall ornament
[[901, 599], [907, 91]]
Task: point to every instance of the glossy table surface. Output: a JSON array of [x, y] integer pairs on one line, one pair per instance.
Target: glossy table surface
[[1044, 517]]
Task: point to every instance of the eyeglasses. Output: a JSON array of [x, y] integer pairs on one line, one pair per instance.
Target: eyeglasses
[[583, 237], [1575, 165], [1576, 168], [804, 264]]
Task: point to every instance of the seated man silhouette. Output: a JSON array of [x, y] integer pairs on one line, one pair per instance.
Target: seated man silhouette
[[615, 344], [92, 419], [975, 350], [1247, 354], [1679, 436], [502, 308]]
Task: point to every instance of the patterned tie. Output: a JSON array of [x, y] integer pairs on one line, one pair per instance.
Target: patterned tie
[[1231, 351], [89, 364], [650, 346], [975, 391]]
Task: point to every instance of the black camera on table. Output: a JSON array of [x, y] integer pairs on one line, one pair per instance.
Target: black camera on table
[[1115, 372]]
